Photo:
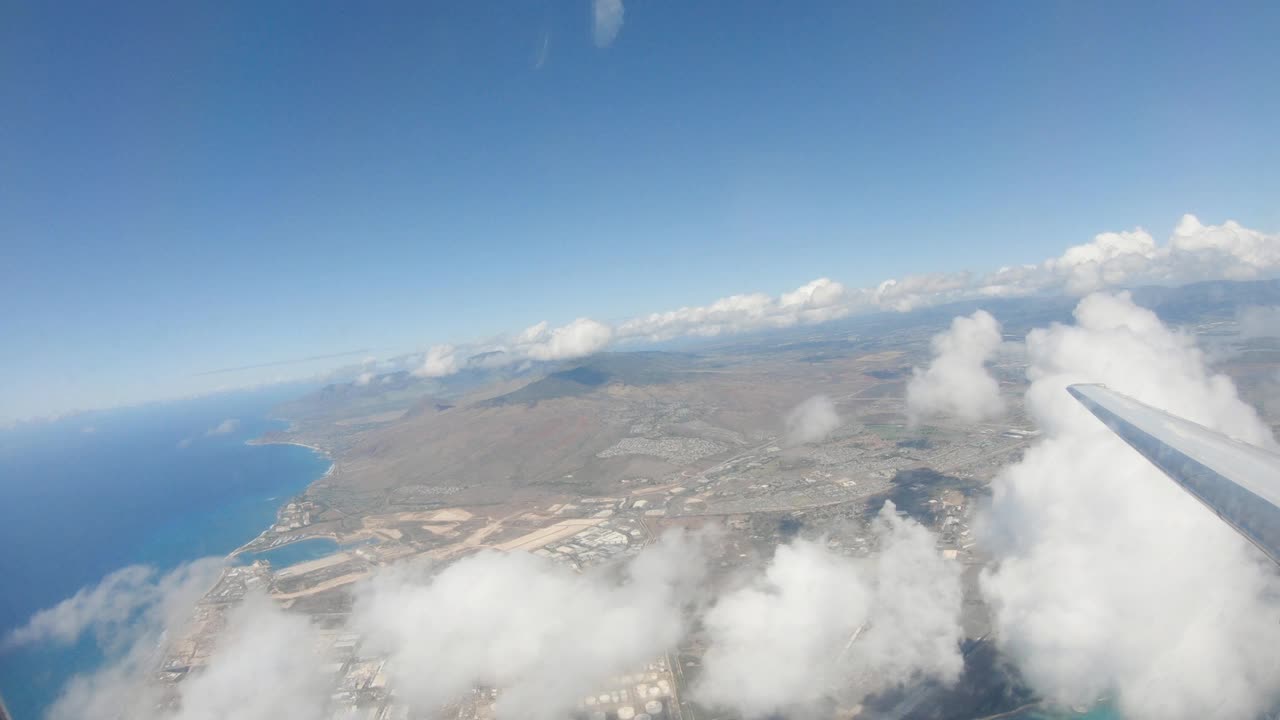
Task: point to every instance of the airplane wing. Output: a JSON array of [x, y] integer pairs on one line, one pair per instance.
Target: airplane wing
[[1237, 481]]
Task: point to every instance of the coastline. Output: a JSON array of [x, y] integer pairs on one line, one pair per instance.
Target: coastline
[[316, 448], [228, 494], [322, 452]]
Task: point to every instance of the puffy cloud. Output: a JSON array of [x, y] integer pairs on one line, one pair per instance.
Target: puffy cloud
[[1229, 251], [916, 291], [1111, 260], [814, 302], [579, 338], [957, 382], [533, 334], [774, 644], [439, 361], [264, 667], [811, 421], [226, 427], [915, 623], [445, 632], [363, 379], [817, 301], [607, 17], [817, 621], [109, 607], [565, 634], [1109, 578]]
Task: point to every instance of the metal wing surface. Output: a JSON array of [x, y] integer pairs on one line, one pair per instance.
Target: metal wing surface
[[1237, 481]]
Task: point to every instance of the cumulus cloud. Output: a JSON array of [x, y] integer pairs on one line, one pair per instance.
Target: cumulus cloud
[[440, 360], [811, 421], [817, 301], [109, 607], [364, 378], [1108, 578], [957, 382], [579, 338], [1193, 252], [607, 17], [817, 621], [565, 634], [1112, 260], [813, 622], [264, 667], [226, 427]]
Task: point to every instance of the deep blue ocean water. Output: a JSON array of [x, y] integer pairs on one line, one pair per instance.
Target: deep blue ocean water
[[87, 495]]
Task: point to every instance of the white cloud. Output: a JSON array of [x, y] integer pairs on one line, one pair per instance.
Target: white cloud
[[264, 667], [1194, 252], [579, 338], [817, 301], [440, 360], [817, 622], [533, 334], [109, 607], [1109, 579], [915, 291], [1111, 260], [915, 622], [607, 17], [957, 382], [543, 633], [364, 378], [226, 427], [811, 421]]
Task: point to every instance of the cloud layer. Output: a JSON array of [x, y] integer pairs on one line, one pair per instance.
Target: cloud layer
[[226, 427], [579, 338], [817, 622], [811, 421], [817, 301], [543, 633], [265, 667], [956, 382], [110, 607], [1109, 579], [606, 20], [439, 360], [1110, 260]]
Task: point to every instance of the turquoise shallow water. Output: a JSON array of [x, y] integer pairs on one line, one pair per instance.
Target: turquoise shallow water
[[294, 553], [91, 494]]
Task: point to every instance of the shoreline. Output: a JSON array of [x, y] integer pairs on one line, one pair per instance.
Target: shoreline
[[316, 448], [260, 442]]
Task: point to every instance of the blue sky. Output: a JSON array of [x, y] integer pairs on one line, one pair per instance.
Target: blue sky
[[188, 187]]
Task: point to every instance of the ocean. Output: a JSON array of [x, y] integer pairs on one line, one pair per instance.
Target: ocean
[[157, 485]]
